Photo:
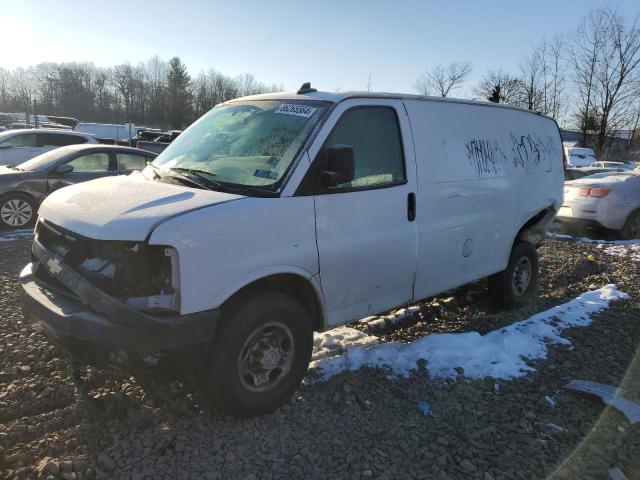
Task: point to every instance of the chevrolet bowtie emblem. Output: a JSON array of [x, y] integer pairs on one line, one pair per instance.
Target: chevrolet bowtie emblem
[[53, 264]]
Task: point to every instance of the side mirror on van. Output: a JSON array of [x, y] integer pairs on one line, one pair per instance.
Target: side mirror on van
[[341, 166], [63, 169]]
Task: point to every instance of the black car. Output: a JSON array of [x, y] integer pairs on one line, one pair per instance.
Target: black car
[[23, 187]]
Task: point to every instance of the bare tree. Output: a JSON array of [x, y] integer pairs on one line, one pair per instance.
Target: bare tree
[[531, 82], [443, 79], [586, 55], [554, 66], [617, 76]]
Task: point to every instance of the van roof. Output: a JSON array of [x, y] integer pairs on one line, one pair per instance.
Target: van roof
[[336, 97]]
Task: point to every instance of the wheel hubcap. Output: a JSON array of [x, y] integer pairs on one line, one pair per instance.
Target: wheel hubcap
[[266, 357], [521, 276], [16, 212]]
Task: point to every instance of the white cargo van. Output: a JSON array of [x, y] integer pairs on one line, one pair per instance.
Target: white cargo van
[[276, 215]]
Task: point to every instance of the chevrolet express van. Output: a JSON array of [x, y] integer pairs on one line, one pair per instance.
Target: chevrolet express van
[[274, 216]]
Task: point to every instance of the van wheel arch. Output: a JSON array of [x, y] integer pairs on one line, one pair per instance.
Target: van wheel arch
[[298, 287], [534, 229]]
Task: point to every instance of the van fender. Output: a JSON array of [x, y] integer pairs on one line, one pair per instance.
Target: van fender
[[263, 273], [535, 228]]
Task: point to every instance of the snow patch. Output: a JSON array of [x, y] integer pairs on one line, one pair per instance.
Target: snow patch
[[557, 428], [501, 354], [631, 251], [16, 234], [550, 400]]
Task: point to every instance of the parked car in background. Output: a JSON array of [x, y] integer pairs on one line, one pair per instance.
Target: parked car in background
[[17, 146], [159, 142], [68, 121], [614, 165], [579, 157], [610, 200], [109, 132], [276, 215], [23, 187]]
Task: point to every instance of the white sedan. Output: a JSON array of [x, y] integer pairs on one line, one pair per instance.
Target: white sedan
[[17, 146], [610, 200]]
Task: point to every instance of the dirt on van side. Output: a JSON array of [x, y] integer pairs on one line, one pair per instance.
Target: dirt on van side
[[357, 424]]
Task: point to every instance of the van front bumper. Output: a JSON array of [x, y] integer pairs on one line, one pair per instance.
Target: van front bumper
[[134, 341]]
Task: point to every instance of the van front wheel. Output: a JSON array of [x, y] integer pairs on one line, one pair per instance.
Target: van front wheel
[[518, 283], [260, 354]]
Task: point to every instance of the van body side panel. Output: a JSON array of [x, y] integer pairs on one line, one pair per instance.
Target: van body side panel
[[226, 248], [483, 171]]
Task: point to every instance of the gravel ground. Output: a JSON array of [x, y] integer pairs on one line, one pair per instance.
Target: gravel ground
[[356, 425]]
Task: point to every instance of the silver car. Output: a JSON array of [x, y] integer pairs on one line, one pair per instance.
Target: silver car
[[17, 146], [610, 200]]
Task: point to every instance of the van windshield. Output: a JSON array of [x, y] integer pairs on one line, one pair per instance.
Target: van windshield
[[244, 144]]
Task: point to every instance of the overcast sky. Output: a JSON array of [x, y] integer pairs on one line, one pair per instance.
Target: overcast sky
[[333, 44]]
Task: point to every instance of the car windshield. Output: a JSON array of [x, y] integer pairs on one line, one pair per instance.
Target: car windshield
[[44, 161], [244, 144]]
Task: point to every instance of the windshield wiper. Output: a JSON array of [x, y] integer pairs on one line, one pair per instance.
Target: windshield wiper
[[209, 183]]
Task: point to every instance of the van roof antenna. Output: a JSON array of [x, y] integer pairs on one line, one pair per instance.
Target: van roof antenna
[[306, 88]]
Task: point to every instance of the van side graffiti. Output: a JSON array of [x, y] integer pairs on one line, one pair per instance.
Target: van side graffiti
[[530, 151], [486, 156]]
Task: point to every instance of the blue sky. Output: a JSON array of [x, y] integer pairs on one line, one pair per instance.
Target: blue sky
[[333, 44]]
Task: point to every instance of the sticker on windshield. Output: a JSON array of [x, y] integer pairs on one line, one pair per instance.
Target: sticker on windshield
[[271, 175], [296, 109]]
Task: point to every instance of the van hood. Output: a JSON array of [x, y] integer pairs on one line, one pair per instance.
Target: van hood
[[123, 207]]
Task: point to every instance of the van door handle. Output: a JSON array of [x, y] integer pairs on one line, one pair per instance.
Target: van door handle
[[411, 207]]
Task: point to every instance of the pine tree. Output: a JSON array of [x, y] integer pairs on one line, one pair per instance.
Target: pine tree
[[495, 95], [178, 96]]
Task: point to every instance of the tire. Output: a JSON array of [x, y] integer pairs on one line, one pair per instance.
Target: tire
[[17, 210], [631, 228], [260, 355], [518, 283]]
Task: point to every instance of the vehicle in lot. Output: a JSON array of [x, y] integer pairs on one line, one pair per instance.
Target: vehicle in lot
[[24, 186], [614, 165], [276, 215], [607, 200], [17, 146], [160, 141], [573, 173], [579, 157], [108, 132]]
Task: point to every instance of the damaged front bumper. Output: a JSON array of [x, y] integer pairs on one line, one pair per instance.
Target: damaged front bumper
[[101, 330]]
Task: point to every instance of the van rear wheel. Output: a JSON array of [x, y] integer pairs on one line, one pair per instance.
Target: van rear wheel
[[518, 283], [259, 355]]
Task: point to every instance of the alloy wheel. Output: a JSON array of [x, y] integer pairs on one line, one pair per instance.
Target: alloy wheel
[[16, 212]]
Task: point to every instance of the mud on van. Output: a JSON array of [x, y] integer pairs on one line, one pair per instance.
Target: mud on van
[[276, 215]]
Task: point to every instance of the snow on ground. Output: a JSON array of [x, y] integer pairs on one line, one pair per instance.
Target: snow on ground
[[16, 234], [632, 251], [501, 354], [618, 248]]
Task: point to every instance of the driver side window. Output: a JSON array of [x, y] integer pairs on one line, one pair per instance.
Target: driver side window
[[374, 135], [93, 162]]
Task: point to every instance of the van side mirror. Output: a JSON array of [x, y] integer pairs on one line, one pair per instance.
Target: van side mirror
[[341, 166], [63, 169]]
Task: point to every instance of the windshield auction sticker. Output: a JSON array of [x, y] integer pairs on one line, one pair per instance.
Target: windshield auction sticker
[[296, 109]]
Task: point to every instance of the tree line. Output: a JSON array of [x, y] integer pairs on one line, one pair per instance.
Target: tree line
[[588, 79], [155, 92]]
